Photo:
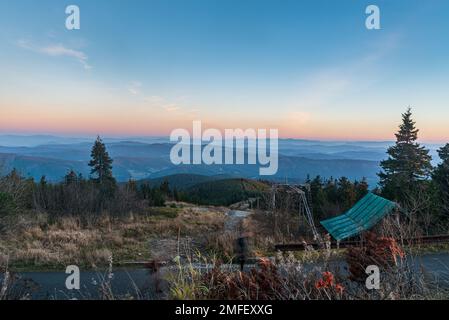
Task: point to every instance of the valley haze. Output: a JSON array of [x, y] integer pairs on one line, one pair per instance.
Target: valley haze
[[142, 157]]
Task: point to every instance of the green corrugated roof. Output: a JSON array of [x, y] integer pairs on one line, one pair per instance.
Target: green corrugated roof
[[362, 216]]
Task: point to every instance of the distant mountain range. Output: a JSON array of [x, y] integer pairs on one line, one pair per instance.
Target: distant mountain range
[[148, 158]]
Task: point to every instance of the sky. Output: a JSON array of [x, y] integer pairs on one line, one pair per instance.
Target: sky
[[310, 68]]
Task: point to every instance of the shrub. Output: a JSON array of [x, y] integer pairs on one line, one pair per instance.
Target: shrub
[[7, 204], [380, 251], [164, 212], [263, 283]]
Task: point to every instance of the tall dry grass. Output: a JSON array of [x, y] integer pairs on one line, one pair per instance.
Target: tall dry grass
[[36, 240], [313, 276]]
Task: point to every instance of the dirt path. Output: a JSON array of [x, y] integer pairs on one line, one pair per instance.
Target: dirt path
[[165, 249], [235, 220]]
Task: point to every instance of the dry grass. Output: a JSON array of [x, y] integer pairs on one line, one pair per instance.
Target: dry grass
[[36, 241], [289, 278]]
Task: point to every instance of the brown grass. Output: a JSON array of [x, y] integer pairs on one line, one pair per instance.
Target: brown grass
[[35, 241]]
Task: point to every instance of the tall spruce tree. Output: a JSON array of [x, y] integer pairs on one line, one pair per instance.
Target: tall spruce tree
[[100, 163], [441, 179], [101, 172], [408, 163]]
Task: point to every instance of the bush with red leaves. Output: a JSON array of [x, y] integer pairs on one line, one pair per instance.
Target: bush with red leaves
[[327, 282], [262, 283], [380, 251]]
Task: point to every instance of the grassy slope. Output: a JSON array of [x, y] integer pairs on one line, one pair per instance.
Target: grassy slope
[[225, 192], [38, 242], [180, 181]]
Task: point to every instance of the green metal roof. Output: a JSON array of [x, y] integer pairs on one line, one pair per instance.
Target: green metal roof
[[363, 216]]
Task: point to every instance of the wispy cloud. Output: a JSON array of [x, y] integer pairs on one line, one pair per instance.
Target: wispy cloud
[[161, 102], [171, 107], [134, 88], [326, 85], [57, 50], [154, 100]]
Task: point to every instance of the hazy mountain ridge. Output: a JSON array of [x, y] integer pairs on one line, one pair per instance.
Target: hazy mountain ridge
[[149, 158]]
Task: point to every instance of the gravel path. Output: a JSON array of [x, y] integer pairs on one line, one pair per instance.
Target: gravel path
[[235, 218]]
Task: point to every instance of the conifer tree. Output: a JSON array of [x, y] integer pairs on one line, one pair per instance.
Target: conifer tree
[[408, 163], [101, 172], [70, 177], [361, 188], [165, 187], [346, 193], [100, 163], [441, 179]]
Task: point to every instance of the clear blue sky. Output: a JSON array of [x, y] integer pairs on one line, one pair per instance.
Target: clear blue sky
[[309, 68]]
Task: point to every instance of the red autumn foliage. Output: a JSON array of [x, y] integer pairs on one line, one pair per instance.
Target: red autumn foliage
[[380, 251], [260, 283], [339, 288], [328, 282]]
